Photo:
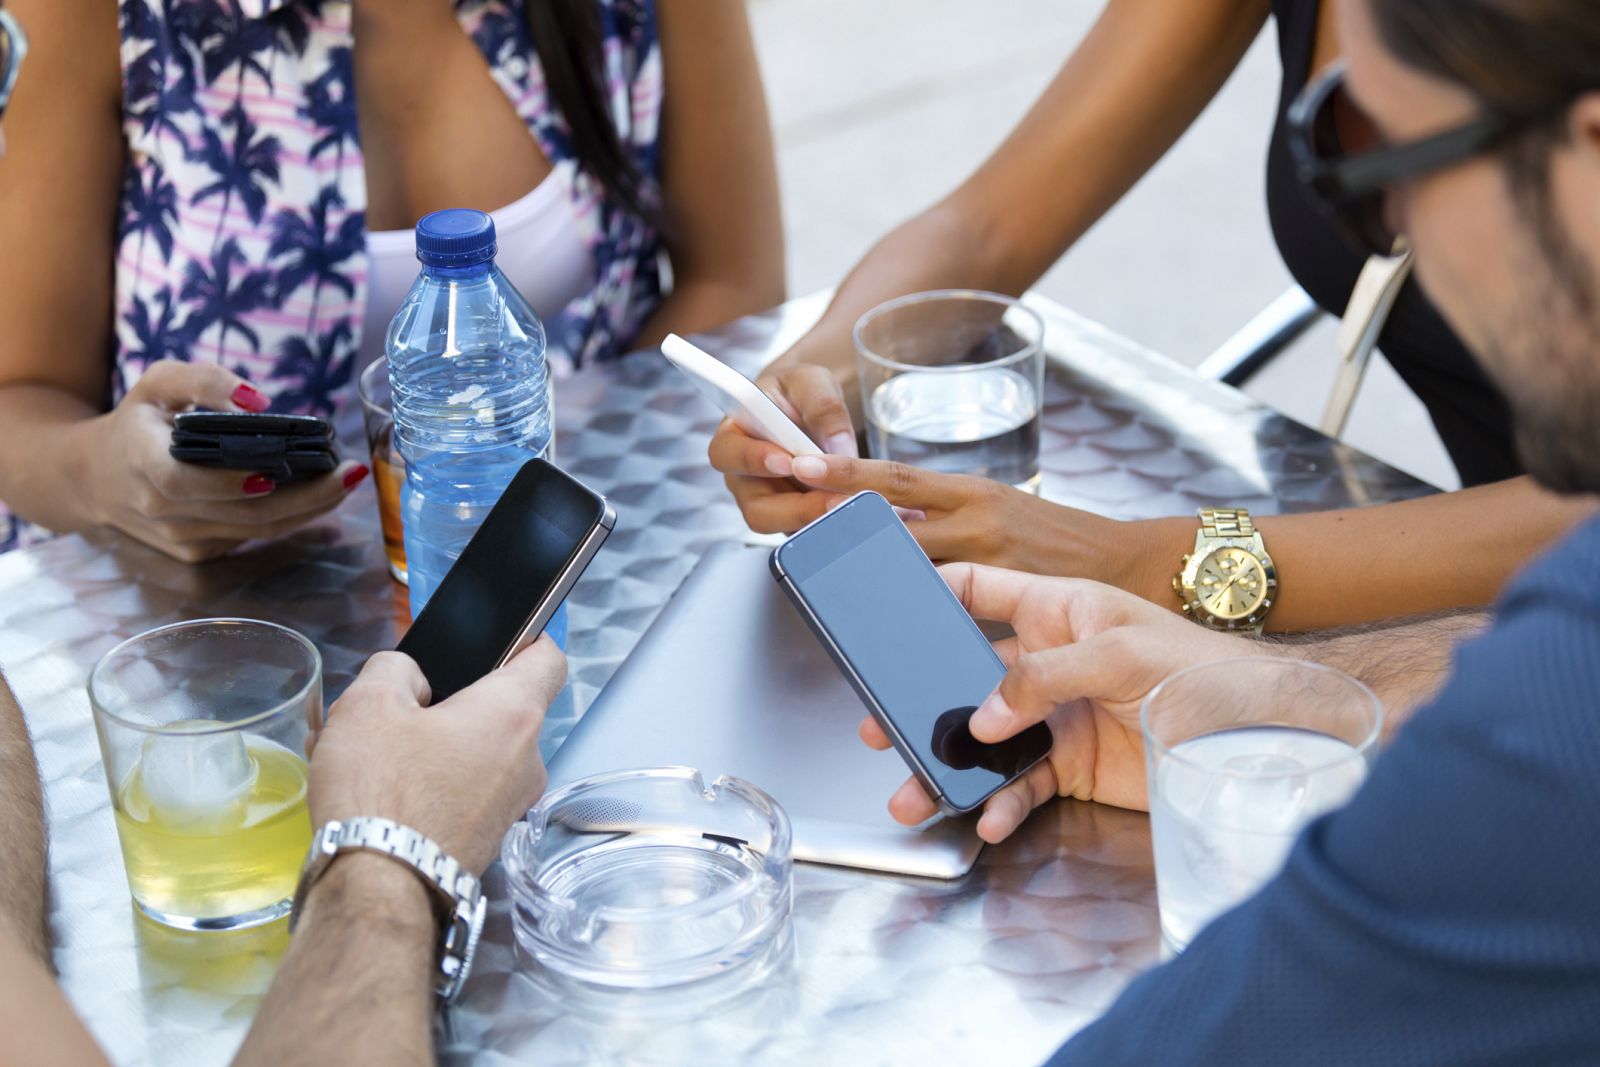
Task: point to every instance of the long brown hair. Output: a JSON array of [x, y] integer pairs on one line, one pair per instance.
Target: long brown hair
[[566, 35]]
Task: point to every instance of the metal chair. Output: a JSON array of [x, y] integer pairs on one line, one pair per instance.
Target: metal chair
[[1286, 320]]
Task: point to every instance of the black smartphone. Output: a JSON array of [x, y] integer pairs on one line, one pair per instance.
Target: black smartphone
[[286, 448], [510, 579], [913, 654]]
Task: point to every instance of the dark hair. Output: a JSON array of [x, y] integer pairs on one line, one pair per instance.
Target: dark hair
[[1514, 55], [566, 35]]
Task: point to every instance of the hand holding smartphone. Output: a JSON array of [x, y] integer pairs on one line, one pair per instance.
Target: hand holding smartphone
[[910, 650], [512, 576], [738, 397], [286, 448]]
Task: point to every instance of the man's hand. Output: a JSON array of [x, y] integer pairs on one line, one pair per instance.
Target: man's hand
[[1082, 660], [460, 773]]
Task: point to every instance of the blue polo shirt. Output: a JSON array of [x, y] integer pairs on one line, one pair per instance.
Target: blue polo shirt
[[1450, 914]]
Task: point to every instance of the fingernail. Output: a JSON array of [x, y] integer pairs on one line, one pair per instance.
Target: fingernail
[[353, 476], [257, 484], [250, 398], [992, 718], [779, 464], [843, 444], [910, 514], [810, 467]]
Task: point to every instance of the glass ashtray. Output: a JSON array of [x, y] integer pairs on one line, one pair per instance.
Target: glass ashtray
[[647, 879]]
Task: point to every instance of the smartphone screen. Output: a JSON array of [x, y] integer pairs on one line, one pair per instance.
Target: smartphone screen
[[909, 642], [531, 546]]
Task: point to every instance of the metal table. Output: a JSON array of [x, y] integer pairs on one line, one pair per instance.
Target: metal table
[[999, 967]]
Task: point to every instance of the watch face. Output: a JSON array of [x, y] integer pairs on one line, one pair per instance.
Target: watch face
[[1231, 583]]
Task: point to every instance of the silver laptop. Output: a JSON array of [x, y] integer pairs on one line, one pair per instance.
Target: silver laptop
[[728, 680]]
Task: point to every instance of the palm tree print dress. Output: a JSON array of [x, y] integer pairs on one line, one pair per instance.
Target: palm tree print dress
[[241, 235]]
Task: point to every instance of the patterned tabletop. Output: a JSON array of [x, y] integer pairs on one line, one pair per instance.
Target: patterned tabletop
[[995, 968]]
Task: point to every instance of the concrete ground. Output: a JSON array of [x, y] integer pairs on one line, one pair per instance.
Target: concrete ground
[[882, 106]]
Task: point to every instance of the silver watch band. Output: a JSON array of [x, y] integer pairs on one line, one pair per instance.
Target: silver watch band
[[441, 872]]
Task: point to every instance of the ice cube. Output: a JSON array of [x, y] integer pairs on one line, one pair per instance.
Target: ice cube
[[1243, 826], [197, 780]]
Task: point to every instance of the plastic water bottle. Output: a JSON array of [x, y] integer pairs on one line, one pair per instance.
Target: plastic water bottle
[[472, 394]]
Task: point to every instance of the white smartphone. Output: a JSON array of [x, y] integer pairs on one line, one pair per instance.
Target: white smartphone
[[738, 397]]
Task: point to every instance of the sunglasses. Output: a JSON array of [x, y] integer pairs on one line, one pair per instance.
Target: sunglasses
[[1345, 164], [13, 46]]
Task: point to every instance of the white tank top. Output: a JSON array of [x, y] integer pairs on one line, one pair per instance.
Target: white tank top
[[541, 253]]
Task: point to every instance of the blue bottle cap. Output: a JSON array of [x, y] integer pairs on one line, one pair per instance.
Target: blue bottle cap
[[456, 237]]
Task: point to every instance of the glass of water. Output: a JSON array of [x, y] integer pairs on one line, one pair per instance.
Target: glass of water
[[203, 726], [1240, 755], [951, 381]]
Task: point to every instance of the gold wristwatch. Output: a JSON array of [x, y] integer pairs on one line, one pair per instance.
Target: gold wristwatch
[[1229, 581]]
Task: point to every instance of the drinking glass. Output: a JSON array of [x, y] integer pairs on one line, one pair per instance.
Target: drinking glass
[[1240, 755], [203, 726], [388, 469], [951, 381]]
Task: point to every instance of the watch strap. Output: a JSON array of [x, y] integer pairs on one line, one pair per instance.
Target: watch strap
[[440, 872], [1226, 522]]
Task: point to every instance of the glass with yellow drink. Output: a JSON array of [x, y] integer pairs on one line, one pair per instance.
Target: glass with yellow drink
[[202, 726]]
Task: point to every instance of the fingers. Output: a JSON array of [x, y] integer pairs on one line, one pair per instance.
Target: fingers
[[873, 734], [1006, 810], [911, 804], [898, 483], [531, 680], [175, 386], [223, 496], [735, 452], [396, 671], [989, 592], [814, 395], [1039, 682], [774, 507]]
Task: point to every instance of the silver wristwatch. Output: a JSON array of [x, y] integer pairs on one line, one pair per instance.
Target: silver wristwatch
[[441, 873]]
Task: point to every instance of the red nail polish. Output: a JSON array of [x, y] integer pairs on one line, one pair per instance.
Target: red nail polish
[[353, 477], [257, 484], [250, 398]]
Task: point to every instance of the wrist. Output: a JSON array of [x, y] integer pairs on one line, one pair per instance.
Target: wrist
[[365, 888], [1154, 555]]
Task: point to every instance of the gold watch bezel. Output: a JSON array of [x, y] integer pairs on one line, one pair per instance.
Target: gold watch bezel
[[1184, 583]]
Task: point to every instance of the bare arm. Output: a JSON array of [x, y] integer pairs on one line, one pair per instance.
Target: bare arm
[[1335, 568], [725, 230], [58, 190], [24, 911], [1404, 662], [65, 462], [1141, 76], [36, 1023], [1137, 81], [356, 983], [1338, 568]]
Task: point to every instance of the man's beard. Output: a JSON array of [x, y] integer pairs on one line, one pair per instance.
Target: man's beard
[[1547, 363]]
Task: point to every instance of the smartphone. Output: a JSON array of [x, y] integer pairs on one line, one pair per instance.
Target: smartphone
[[738, 397], [511, 577], [288, 448], [913, 654]]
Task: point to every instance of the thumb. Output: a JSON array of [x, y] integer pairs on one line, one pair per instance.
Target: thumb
[[533, 677], [175, 386]]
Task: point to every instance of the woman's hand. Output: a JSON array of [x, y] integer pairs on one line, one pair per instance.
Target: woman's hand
[[759, 473], [967, 519], [1083, 659], [189, 512]]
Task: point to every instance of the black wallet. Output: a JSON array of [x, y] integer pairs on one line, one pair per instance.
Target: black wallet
[[285, 448]]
